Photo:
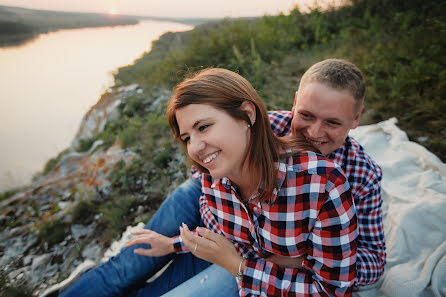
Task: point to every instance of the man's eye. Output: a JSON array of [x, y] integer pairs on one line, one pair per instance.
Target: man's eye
[[334, 124], [305, 116]]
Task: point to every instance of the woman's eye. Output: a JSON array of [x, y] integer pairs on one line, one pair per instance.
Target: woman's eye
[[186, 139], [203, 127]]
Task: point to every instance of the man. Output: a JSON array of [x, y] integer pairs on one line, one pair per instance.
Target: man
[[327, 105]]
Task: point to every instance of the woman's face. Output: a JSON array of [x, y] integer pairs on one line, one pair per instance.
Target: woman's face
[[214, 139]]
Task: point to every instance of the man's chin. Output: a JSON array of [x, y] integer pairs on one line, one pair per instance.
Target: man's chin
[[323, 149]]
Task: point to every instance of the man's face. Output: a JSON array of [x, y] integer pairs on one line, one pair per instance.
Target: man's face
[[324, 115]]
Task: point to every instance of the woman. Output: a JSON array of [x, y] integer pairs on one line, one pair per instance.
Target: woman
[[274, 202]]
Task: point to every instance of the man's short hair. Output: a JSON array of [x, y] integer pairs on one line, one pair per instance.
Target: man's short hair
[[337, 74]]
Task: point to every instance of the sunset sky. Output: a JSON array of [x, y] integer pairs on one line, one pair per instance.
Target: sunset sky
[[170, 8]]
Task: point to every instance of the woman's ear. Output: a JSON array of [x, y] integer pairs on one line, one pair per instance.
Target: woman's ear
[[250, 109]]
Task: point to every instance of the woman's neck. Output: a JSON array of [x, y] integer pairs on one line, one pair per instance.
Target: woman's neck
[[248, 182]]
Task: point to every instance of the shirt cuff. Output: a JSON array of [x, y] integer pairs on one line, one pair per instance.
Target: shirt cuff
[[251, 281], [178, 245]]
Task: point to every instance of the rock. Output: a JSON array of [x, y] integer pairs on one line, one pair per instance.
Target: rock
[[92, 251], [42, 268], [15, 249], [63, 204], [78, 231], [28, 260], [422, 139]]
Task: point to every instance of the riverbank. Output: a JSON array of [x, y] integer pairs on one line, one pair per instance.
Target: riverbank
[[20, 25]]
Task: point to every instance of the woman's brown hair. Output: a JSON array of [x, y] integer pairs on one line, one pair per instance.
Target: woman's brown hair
[[226, 90]]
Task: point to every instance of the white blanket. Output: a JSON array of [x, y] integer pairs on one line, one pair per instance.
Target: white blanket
[[414, 192]]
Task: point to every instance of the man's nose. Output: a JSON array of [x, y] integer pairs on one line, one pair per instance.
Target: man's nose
[[315, 130]]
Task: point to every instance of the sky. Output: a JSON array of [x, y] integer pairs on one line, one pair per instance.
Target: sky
[[171, 8]]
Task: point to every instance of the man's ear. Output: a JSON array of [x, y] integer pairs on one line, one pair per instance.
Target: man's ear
[[357, 118], [295, 102], [250, 109]]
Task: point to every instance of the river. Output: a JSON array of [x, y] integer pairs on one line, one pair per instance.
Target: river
[[48, 84]]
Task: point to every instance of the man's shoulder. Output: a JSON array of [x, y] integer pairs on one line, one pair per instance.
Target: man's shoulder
[[280, 121], [359, 166], [308, 162], [362, 156], [280, 114]]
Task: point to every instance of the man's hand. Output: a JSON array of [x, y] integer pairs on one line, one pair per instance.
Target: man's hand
[[160, 245], [286, 262]]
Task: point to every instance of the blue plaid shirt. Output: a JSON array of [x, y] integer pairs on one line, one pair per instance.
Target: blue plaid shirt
[[364, 176]]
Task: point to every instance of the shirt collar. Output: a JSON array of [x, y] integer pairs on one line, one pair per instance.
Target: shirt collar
[[281, 173], [340, 155]]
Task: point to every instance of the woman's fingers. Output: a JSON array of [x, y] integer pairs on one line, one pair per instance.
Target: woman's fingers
[[194, 243], [212, 236]]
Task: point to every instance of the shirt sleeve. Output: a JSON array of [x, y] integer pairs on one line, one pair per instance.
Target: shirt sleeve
[[371, 251], [330, 266]]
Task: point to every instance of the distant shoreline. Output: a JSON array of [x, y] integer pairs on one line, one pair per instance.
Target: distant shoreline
[[21, 25]]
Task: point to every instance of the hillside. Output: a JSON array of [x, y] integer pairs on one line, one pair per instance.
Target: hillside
[[123, 161]]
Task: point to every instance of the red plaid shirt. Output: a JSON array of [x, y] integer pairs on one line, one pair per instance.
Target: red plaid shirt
[[364, 176], [311, 213]]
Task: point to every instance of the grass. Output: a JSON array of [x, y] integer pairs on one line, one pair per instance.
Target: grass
[[52, 232], [8, 194], [397, 45], [13, 290]]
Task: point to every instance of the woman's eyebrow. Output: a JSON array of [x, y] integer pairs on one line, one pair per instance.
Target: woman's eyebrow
[[195, 125]]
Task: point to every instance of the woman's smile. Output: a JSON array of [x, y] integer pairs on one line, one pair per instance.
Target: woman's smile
[[210, 158]]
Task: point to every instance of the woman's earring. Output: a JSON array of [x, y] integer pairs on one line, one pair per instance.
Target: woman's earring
[[249, 126]]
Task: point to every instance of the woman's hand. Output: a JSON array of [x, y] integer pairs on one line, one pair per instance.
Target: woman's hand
[[211, 247], [160, 245], [286, 262]]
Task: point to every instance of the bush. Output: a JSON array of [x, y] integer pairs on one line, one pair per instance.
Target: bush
[[84, 212], [115, 217], [85, 144], [53, 162], [52, 232]]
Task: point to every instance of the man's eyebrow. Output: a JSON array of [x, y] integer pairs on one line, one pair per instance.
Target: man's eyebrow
[[195, 125]]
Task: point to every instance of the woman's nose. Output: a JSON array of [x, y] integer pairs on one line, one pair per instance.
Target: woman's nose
[[196, 145]]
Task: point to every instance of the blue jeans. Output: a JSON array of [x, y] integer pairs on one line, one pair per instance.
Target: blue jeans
[[126, 273], [214, 281]]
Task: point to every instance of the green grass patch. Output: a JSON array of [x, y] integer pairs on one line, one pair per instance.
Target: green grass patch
[[52, 232]]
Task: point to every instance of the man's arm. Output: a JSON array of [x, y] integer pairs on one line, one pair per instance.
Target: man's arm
[[371, 253]]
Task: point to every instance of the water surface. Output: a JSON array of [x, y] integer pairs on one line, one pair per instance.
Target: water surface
[[48, 84]]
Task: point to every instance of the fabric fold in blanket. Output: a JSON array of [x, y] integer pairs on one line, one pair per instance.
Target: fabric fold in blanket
[[414, 194]]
